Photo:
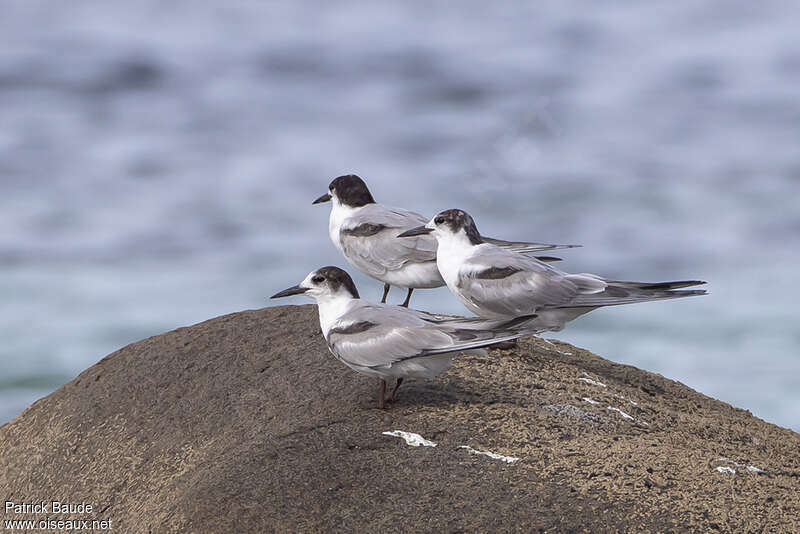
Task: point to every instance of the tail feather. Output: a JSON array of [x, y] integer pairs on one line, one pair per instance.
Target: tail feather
[[617, 293], [547, 259], [656, 285]]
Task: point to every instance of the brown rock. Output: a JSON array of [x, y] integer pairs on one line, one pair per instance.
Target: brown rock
[[245, 423]]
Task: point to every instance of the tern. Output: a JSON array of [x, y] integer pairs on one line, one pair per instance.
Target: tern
[[386, 341], [365, 231], [494, 282]]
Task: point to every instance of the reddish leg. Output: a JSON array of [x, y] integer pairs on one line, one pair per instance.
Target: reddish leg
[[385, 293], [381, 399], [396, 387], [408, 297]]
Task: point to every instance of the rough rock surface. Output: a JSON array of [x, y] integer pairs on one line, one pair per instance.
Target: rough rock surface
[[245, 423]]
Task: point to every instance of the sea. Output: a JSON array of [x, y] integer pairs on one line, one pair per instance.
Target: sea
[[158, 161]]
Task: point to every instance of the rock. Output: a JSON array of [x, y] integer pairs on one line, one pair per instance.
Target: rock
[[246, 423]]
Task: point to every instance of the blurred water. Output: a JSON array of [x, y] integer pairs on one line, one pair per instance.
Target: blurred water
[[158, 161]]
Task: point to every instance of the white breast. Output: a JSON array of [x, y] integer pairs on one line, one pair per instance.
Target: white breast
[[416, 275], [338, 218], [450, 256], [332, 309]]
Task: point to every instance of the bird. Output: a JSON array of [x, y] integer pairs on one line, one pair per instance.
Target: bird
[[494, 282], [386, 341], [364, 232]]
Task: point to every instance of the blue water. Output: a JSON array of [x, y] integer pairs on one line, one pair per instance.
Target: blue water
[[158, 161]]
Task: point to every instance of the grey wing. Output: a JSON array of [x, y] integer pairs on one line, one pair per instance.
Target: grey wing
[[475, 332], [525, 246], [378, 335], [369, 240], [507, 283]]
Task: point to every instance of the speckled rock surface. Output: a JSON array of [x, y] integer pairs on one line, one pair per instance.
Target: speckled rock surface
[[245, 423]]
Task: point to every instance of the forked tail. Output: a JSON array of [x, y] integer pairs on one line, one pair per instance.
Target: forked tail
[[619, 292]]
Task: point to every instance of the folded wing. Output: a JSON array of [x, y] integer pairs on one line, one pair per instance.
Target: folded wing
[[378, 335], [370, 241], [510, 284], [505, 283], [527, 246]]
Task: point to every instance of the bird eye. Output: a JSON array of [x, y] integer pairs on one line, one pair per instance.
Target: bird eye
[[317, 279], [439, 220]]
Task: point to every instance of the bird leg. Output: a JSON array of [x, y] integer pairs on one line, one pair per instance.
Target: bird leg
[[381, 403], [408, 297], [385, 293], [396, 387]]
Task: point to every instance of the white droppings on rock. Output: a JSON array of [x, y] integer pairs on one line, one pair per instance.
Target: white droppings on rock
[[750, 468], [628, 416], [592, 382], [571, 411], [495, 456], [554, 347], [590, 400], [415, 440], [623, 414]]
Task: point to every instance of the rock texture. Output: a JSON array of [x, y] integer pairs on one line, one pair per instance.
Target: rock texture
[[245, 423]]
